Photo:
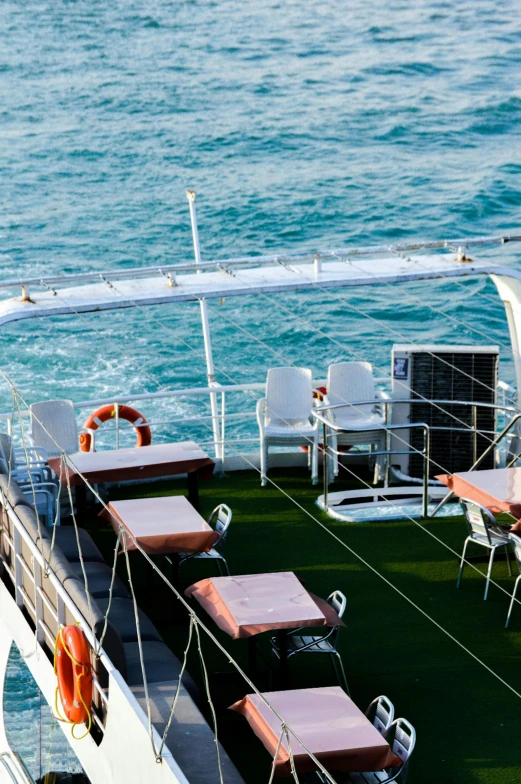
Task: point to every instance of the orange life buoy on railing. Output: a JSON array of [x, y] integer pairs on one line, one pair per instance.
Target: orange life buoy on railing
[[73, 668], [144, 434]]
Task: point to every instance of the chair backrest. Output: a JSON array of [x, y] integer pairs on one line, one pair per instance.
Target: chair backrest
[[58, 418], [220, 520], [381, 713], [481, 521], [289, 394], [348, 382], [338, 602], [401, 736]]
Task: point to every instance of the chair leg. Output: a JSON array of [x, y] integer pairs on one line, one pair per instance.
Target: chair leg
[[462, 563], [512, 601], [489, 572], [508, 560], [226, 569], [342, 680], [314, 462], [263, 463]]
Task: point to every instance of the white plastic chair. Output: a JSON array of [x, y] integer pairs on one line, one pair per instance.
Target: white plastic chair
[[284, 415], [516, 544], [381, 713], [485, 531], [58, 419], [347, 383]]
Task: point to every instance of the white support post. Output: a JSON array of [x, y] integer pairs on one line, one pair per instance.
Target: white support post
[[210, 371]]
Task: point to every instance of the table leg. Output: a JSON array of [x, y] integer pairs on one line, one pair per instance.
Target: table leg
[[252, 657], [283, 653], [193, 489]]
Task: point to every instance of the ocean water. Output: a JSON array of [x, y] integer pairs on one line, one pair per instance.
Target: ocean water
[[299, 125]]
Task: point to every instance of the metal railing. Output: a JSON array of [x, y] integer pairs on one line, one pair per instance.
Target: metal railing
[[226, 417], [330, 426], [35, 604]]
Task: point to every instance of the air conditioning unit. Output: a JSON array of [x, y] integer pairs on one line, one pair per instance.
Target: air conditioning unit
[[463, 374]]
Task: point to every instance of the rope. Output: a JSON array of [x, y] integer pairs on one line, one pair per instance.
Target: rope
[[140, 648], [97, 652], [207, 631], [178, 688], [209, 696], [80, 553]]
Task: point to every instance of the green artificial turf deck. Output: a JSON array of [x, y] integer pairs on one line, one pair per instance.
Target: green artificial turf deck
[[467, 721]]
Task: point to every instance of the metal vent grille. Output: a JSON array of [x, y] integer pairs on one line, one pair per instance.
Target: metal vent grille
[[446, 376]]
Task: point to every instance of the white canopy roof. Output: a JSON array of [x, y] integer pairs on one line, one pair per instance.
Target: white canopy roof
[[104, 292]]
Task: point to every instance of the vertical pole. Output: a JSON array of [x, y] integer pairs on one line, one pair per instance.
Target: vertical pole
[[223, 428], [116, 415], [325, 466], [426, 468], [210, 371], [475, 433]]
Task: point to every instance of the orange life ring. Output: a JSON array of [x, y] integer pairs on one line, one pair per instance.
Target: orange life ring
[[144, 434], [73, 668]]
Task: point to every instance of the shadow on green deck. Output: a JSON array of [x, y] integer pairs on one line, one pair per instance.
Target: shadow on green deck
[[467, 722]]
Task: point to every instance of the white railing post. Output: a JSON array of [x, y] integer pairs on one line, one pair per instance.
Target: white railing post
[[38, 603], [116, 415], [210, 370], [18, 569], [223, 428]]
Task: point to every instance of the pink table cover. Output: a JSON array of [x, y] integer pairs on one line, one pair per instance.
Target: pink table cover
[[250, 604], [115, 465], [499, 489], [329, 725], [162, 525]]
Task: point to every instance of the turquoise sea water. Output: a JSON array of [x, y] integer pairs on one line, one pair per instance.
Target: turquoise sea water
[[300, 125]]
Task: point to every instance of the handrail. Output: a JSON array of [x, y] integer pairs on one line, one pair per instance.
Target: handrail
[[489, 448], [276, 258], [392, 400]]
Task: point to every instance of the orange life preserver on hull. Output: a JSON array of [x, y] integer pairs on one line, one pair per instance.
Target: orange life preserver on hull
[[144, 434], [73, 668]]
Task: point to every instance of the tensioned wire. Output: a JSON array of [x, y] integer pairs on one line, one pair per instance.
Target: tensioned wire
[[167, 327], [325, 528], [345, 348], [328, 529], [353, 552], [344, 301], [180, 598], [365, 563], [163, 325], [391, 503], [114, 289]]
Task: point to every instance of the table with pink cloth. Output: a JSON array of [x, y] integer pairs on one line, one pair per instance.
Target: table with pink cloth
[[168, 524], [134, 463], [250, 604], [499, 489], [327, 722]]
